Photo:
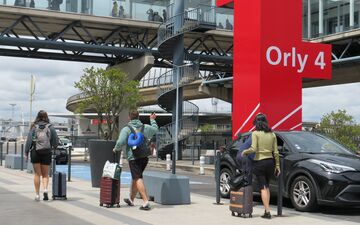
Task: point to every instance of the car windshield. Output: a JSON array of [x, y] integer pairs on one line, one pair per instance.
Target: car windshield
[[312, 143]]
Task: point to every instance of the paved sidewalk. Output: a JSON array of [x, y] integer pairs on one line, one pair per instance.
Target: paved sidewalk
[[17, 206]]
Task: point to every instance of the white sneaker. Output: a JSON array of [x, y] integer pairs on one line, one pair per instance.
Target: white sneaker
[[37, 198]]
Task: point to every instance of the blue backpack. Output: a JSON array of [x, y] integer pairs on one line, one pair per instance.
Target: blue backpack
[[138, 143], [245, 145]]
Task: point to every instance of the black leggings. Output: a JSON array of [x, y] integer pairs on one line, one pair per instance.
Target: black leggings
[[264, 170]]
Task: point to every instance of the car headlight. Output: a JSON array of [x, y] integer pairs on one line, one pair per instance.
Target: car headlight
[[331, 167]]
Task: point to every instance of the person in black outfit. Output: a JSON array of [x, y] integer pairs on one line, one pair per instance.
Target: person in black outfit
[[55, 4], [32, 4], [164, 14], [150, 13], [228, 25], [20, 3], [121, 12]]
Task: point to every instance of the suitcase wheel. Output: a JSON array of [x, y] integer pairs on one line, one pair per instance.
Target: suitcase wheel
[[101, 204], [250, 215], [118, 205], [232, 213]]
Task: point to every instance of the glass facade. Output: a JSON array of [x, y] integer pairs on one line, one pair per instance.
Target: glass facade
[[146, 10], [324, 17], [320, 17]]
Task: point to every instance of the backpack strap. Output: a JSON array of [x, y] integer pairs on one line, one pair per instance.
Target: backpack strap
[[131, 129], [142, 128]]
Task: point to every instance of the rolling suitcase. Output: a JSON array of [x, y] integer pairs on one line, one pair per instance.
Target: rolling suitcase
[[110, 191], [241, 201], [58, 182], [59, 186]]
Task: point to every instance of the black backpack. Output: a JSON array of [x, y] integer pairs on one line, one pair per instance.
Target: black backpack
[[143, 150]]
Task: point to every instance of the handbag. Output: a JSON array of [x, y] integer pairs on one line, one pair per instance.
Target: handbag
[[112, 170], [238, 181]]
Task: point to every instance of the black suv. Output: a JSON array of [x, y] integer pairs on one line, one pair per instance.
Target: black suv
[[317, 170]]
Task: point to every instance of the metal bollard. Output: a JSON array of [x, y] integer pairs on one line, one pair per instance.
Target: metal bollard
[[202, 163], [192, 155], [280, 188], [15, 147], [7, 148], [69, 163], [168, 162], [121, 159], [1, 152], [217, 178], [22, 157]]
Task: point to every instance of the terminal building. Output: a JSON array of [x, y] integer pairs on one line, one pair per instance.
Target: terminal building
[[185, 45]]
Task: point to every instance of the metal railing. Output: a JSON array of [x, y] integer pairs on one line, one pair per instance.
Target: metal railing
[[186, 22]]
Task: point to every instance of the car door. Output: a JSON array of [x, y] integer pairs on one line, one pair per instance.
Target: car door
[[284, 153]]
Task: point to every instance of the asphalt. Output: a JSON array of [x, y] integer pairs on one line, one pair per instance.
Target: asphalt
[[17, 206]]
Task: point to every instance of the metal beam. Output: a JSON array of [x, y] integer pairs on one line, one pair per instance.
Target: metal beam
[[57, 56], [56, 45]]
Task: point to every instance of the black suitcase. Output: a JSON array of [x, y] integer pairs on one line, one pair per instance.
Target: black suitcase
[[241, 201], [59, 186], [58, 182]]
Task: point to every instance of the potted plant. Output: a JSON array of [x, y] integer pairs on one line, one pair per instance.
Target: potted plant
[[107, 92]]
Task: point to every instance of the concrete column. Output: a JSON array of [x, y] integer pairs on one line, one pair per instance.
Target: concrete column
[[178, 60], [136, 68], [309, 18], [352, 16], [321, 17]]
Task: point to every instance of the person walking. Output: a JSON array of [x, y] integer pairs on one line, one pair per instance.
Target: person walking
[[115, 9], [122, 12], [138, 165], [264, 144], [41, 139]]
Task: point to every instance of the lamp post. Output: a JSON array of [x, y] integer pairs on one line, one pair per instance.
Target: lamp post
[[12, 112], [176, 139], [32, 92]]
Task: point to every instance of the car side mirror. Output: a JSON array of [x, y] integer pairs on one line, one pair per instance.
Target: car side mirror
[[282, 150]]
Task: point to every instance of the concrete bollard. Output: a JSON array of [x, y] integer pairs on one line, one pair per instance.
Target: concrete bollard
[[202, 163], [168, 162]]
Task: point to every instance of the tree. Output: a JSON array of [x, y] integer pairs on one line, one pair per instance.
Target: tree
[[108, 92], [341, 127]]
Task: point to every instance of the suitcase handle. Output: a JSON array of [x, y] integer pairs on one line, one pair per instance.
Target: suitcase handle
[[115, 156]]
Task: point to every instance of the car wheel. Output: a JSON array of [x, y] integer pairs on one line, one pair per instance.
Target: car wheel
[[225, 175], [302, 194]]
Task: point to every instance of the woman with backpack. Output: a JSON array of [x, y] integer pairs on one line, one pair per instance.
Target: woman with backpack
[[41, 139], [264, 145]]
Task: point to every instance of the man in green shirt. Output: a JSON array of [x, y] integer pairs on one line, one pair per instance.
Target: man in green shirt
[[137, 166]]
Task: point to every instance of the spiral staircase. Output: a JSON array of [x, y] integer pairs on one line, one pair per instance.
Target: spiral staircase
[[200, 19]]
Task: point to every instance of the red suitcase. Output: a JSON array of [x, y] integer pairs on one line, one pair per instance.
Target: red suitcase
[[109, 192]]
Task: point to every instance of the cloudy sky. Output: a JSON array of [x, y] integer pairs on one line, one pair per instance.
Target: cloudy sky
[[55, 84]]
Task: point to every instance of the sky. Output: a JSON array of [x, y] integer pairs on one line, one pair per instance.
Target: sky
[[55, 84]]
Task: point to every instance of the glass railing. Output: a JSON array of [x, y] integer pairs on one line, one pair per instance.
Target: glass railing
[[154, 11]]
